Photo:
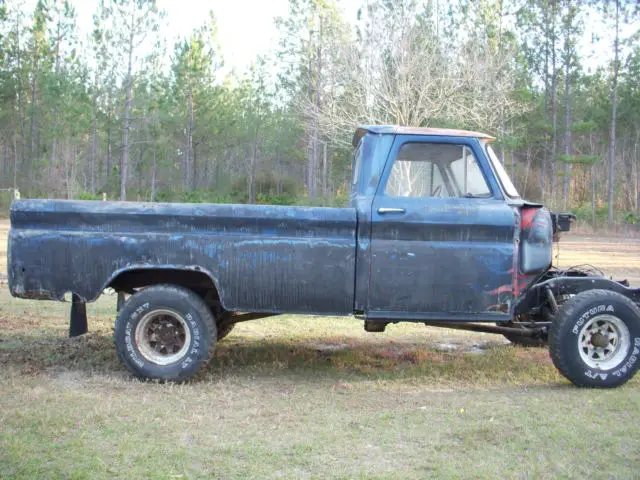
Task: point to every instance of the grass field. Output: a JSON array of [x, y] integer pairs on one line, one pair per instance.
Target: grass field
[[303, 397]]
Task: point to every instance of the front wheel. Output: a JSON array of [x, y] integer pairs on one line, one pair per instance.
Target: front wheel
[[165, 332], [595, 339]]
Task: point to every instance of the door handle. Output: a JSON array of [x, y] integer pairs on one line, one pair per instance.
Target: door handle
[[384, 210]]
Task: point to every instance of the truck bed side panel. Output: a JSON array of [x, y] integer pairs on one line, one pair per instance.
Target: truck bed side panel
[[262, 258]]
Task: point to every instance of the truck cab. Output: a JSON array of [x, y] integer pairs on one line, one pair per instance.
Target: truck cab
[[440, 227]]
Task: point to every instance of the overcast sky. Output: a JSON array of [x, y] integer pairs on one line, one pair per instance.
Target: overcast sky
[[246, 27]]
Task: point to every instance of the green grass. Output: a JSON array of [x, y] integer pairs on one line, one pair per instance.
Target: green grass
[[302, 397]]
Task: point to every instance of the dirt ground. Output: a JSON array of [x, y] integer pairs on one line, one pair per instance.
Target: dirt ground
[[616, 257]]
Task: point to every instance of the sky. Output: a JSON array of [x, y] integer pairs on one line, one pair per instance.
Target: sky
[[246, 27]]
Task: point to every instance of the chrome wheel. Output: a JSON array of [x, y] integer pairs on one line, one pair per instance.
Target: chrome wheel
[[163, 337], [604, 342]]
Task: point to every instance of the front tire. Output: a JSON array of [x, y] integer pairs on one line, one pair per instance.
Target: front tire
[[595, 339], [165, 332]]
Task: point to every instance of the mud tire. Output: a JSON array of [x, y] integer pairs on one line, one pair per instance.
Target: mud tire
[[571, 339], [193, 318]]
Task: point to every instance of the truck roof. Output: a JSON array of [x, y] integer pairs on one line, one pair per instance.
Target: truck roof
[[401, 130]]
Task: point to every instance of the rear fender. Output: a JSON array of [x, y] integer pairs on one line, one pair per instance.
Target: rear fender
[[165, 268]]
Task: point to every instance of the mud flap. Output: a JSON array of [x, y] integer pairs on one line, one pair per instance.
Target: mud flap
[[78, 320], [120, 301]]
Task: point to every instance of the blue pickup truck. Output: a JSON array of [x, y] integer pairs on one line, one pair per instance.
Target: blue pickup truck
[[435, 233]]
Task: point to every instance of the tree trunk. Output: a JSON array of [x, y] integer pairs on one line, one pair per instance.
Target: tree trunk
[[324, 172], [19, 95], [127, 111], [54, 147], [15, 162], [205, 174], [512, 157], [545, 159], [32, 128], [628, 178], [554, 103], [125, 139], [252, 172], [153, 175], [593, 195], [567, 125], [330, 174], [312, 131], [614, 106], [189, 143], [194, 175], [94, 145], [108, 161], [637, 166], [66, 176], [4, 164], [278, 174], [54, 140]]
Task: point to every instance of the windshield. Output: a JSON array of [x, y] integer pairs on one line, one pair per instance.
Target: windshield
[[506, 182]]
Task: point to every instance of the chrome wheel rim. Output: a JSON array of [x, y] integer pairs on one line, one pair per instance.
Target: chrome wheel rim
[[163, 337], [604, 342]]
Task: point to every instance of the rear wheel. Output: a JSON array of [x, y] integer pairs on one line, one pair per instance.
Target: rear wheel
[[595, 339], [165, 332]]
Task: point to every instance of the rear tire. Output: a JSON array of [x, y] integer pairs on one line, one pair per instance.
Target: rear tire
[[595, 339], [165, 332]]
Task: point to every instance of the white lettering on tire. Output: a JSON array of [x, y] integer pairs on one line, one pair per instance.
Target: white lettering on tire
[[186, 362], [594, 375], [129, 345], [632, 359]]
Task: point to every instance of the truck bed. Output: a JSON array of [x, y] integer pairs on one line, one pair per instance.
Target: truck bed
[[261, 258]]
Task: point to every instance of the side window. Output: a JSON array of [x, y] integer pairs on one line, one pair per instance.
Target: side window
[[437, 171], [468, 177]]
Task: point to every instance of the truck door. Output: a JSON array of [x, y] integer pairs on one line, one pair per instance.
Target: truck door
[[442, 234]]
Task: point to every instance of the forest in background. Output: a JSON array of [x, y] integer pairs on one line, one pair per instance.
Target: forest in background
[[141, 117]]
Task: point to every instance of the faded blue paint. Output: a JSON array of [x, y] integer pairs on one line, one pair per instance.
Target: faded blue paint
[[79, 246]]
